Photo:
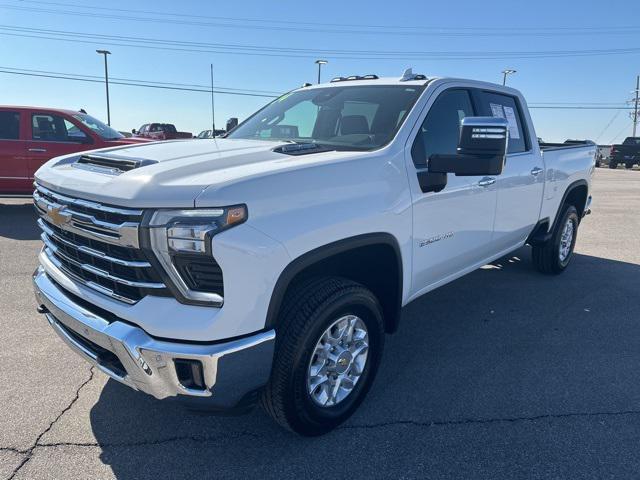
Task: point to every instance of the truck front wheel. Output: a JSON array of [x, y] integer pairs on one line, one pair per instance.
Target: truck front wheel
[[613, 164], [329, 343], [554, 255]]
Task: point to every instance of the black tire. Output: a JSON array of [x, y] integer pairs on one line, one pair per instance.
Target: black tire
[[306, 313], [546, 256], [628, 166], [613, 165]]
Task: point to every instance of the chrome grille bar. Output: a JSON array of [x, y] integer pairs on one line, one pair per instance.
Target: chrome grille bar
[[86, 203], [125, 234], [90, 251], [96, 271], [52, 263]]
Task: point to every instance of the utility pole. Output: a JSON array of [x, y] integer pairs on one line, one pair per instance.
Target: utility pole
[[106, 81], [635, 108], [213, 114], [504, 75], [320, 63]]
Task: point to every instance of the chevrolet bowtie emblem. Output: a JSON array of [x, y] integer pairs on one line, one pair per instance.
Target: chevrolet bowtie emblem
[[58, 216]]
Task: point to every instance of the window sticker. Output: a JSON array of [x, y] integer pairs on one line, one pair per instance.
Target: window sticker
[[496, 110], [514, 132]]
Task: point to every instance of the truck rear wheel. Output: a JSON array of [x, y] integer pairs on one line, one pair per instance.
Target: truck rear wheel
[[554, 255], [613, 165], [329, 343], [628, 165]]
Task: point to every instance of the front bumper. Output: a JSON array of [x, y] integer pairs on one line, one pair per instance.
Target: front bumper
[[229, 371]]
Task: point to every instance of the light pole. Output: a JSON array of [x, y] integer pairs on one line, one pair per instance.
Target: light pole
[[635, 108], [106, 81], [320, 63], [505, 73], [213, 110]]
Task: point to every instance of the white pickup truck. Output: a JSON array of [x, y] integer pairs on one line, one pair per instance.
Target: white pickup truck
[[269, 265]]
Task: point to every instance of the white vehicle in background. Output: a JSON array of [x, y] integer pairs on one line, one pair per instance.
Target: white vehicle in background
[[269, 265], [603, 155]]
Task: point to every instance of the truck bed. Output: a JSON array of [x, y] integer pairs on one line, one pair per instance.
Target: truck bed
[[562, 146]]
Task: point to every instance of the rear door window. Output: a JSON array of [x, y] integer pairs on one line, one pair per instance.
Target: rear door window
[[55, 128], [9, 125], [505, 106]]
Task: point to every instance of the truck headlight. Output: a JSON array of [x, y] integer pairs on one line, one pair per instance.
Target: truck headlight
[[181, 241]]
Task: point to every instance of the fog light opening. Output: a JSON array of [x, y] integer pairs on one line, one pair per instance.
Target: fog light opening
[[190, 374]]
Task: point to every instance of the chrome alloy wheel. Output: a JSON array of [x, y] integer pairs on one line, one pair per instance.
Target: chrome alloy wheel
[[566, 240], [338, 361]]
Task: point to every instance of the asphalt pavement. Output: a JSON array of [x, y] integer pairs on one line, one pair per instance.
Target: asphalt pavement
[[505, 373]]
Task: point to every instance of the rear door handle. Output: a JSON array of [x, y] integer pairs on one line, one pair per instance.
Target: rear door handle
[[536, 171], [486, 181], [37, 149]]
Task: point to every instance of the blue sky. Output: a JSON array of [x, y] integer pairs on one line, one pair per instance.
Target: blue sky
[[465, 26]]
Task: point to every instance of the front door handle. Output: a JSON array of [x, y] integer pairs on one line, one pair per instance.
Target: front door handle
[[42, 150], [536, 171], [486, 181]]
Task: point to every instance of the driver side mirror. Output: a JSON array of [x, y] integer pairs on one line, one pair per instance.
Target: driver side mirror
[[482, 148], [133, 131]]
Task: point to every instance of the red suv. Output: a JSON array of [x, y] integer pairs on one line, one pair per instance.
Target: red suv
[[29, 136]]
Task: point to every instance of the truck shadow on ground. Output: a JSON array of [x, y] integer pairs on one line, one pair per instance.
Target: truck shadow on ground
[[18, 220], [502, 349]]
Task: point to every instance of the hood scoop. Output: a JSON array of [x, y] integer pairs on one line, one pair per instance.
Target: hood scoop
[[110, 165], [301, 148]]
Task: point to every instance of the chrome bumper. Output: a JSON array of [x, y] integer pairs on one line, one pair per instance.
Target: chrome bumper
[[129, 355]]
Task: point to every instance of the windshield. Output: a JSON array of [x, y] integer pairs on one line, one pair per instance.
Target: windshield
[[341, 118], [104, 131]]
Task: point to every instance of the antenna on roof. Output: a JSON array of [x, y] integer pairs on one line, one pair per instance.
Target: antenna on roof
[[409, 75]]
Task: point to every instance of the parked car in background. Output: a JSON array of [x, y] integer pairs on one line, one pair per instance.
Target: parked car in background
[[628, 152], [270, 264], [603, 155], [29, 136], [210, 133], [160, 131]]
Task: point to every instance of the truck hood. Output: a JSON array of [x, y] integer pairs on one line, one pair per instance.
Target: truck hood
[[174, 172]]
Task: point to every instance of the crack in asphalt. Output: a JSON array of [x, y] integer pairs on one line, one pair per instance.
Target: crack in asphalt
[[471, 421], [28, 454], [13, 450], [237, 435], [144, 443]]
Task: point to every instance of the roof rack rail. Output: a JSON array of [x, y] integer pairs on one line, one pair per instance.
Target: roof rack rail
[[354, 77], [409, 75]]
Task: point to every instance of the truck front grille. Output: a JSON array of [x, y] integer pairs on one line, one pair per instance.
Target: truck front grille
[[96, 245]]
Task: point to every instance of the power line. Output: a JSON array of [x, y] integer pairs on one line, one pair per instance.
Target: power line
[[566, 107], [221, 90], [580, 103], [177, 45], [243, 90], [615, 115], [164, 87], [345, 25], [612, 141], [310, 27]]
